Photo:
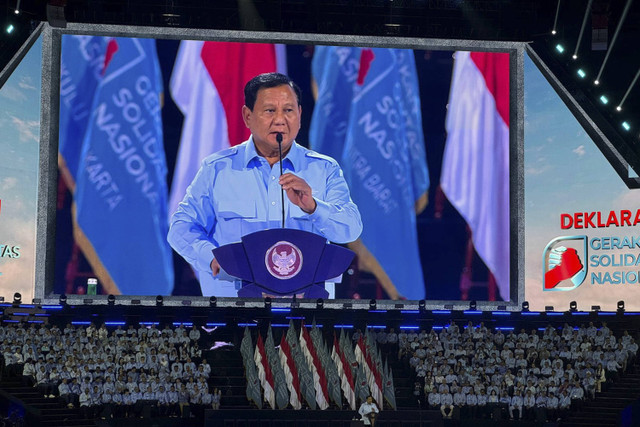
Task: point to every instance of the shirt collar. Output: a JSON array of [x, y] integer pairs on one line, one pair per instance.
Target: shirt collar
[[292, 160]]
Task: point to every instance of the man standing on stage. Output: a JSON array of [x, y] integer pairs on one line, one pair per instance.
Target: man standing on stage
[[237, 191], [368, 411]]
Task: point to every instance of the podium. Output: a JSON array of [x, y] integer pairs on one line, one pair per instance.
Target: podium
[[283, 262]]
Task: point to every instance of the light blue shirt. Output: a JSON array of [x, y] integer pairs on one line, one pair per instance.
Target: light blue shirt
[[236, 192]]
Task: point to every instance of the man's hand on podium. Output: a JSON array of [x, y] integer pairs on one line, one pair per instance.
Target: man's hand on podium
[[215, 267], [299, 192]]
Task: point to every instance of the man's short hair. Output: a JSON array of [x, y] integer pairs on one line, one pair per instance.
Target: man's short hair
[[264, 81]]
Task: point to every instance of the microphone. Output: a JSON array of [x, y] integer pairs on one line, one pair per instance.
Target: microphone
[[279, 140]]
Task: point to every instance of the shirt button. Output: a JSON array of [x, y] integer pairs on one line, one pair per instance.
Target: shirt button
[[273, 203], [273, 178]]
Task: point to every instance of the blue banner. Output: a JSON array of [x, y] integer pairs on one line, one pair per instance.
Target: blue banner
[[81, 66], [121, 191], [368, 117]]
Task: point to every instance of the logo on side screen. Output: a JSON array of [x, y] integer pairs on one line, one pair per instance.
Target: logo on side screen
[[563, 266]]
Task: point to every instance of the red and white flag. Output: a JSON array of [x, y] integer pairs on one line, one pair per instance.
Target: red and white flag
[[264, 373], [319, 377], [374, 378], [207, 85], [475, 167], [290, 373], [344, 370]]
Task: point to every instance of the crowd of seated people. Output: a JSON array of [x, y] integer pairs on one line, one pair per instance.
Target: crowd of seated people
[[112, 374], [523, 375]]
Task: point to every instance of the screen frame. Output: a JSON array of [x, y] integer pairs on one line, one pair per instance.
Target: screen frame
[[48, 161]]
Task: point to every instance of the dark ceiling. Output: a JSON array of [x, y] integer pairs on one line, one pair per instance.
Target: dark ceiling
[[515, 20]]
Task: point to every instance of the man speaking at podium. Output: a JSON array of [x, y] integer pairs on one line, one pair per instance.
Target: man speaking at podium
[[237, 191]]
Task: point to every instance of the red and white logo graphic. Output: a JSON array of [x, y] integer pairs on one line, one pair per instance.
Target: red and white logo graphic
[[562, 260], [283, 260]]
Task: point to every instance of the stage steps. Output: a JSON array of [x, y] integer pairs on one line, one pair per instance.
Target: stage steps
[[403, 380], [53, 413], [227, 374]]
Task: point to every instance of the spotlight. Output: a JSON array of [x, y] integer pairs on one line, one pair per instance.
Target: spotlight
[[620, 306], [548, 308], [136, 302], [626, 126], [422, 305], [319, 304], [10, 28], [596, 82], [473, 305], [17, 298], [573, 306], [554, 32], [604, 99], [618, 108], [525, 306], [17, 12], [87, 301], [186, 302], [581, 73], [560, 48], [213, 301], [575, 56], [267, 302], [595, 308], [372, 304], [159, 300], [111, 299]]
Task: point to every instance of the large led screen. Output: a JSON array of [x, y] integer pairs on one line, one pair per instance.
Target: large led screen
[[581, 220], [19, 144], [421, 137]]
